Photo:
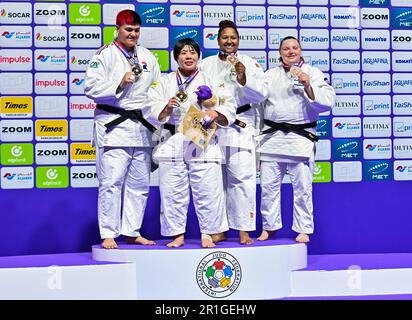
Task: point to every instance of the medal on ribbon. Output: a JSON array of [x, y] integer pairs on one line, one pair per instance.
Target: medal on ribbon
[[181, 94], [133, 60]]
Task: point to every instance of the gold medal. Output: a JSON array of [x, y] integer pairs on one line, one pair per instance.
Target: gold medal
[[181, 96], [294, 71]]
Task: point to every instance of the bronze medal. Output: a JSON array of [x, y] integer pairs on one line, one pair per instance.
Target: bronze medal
[[232, 60], [294, 71]]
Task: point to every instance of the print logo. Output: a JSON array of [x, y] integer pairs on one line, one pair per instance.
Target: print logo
[[218, 274]]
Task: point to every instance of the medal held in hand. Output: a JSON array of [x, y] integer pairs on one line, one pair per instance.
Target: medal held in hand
[[137, 71], [181, 96], [294, 71], [232, 60]]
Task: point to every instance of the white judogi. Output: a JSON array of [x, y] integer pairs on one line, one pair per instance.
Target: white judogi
[[281, 152], [183, 165], [239, 169], [123, 155]]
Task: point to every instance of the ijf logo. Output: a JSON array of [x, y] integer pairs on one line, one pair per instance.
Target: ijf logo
[[218, 274]]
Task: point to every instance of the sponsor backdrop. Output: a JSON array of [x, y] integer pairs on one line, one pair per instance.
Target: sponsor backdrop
[[364, 157]]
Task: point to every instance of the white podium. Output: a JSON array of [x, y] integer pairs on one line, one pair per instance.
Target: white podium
[[228, 271]]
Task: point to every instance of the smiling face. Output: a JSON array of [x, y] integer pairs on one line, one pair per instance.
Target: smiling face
[[228, 41], [290, 51], [128, 35], [187, 59]]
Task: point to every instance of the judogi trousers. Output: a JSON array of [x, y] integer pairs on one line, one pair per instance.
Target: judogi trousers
[[239, 176], [205, 180], [124, 178], [272, 173]]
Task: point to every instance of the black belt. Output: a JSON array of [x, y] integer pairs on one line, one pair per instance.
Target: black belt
[[296, 128], [240, 110], [170, 127], [124, 114]]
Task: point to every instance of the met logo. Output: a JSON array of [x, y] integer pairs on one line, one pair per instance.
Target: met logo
[[178, 33], [374, 3], [378, 170], [347, 149], [324, 127], [153, 14], [401, 18]]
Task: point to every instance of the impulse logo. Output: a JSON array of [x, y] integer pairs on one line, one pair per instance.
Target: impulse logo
[[378, 170], [401, 17]]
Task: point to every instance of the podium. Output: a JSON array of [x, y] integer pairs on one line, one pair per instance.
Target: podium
[[229, 270]]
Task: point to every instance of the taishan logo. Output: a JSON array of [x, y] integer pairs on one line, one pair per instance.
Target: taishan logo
[[218, 274]]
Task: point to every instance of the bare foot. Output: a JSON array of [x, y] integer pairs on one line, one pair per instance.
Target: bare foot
[[244, 238], [219, 237], [207, 241], [139, 240], [109, 243], [178, 241], [302, 238], [265, 235]]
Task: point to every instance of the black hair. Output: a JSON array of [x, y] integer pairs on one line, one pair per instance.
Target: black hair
[[226, 24], [179, 45]]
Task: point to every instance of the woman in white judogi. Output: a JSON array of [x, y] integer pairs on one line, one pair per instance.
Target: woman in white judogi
[[296, 94], [123, 148], [243, 77], [182, 164]]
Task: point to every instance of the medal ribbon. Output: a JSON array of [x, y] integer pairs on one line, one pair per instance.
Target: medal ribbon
[[132, 59], [183, 85]]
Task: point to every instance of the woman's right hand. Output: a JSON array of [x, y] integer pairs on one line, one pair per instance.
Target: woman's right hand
[[168, 109]]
